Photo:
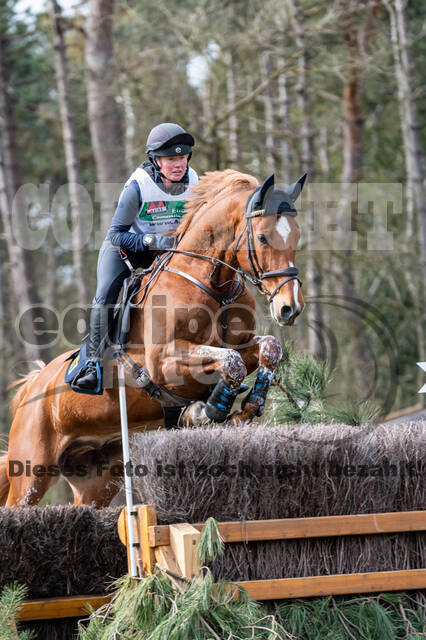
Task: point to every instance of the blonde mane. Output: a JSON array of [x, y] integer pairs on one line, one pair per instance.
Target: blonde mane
[[212, 186]]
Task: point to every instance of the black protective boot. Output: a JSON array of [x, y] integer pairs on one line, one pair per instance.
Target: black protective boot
[[89, 376]]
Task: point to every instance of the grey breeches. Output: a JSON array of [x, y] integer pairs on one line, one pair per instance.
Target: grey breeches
[[112, 271]]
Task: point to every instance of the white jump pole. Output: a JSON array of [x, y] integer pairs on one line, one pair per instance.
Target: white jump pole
[[127, 476]]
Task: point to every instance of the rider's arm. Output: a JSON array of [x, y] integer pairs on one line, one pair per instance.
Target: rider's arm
[[127, 209]]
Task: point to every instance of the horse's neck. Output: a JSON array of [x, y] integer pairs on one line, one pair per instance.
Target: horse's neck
[[214, 235]]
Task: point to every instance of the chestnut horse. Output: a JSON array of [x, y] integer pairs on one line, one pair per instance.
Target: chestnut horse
[[179, 334]]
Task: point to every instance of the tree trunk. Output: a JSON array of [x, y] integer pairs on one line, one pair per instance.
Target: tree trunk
[[323, 152], [313, 266], [254, 162], [130, 130], [414, 158], [51, 283], [4, 347], [21, 260], [104, 116], [283, 123], [265, 63], [79, 239], [357, 360], [410, 124], [353, 126], [233, 119]]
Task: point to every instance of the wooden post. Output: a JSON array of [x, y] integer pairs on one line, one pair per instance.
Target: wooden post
[[184, 540], [147, 517]]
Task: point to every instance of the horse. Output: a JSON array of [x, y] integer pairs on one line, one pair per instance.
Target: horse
[[192, 327]]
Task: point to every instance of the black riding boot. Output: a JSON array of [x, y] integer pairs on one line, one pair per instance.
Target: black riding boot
[[98, 341]]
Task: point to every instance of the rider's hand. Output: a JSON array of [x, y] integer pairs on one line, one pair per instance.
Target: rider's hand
[[157, 242]]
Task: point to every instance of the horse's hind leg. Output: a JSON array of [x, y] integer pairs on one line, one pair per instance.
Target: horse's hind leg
[[4, 480], [31, 463], [96, 491], [94, 471]]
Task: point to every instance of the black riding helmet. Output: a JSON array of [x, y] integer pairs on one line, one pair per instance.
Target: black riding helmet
[[169, 139]]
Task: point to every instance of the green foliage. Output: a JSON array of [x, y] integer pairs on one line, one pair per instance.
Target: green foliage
[[355, 414], [211, 543], [298, 394], [11, 599], [201, 610], [389, 616]]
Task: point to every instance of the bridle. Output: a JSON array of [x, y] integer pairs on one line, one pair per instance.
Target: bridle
[[260, 275]]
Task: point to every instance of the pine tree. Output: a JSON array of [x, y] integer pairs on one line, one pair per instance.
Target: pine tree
[[11, 599]]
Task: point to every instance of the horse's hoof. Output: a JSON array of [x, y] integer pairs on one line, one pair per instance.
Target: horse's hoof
[[194, 415], [247, 414]]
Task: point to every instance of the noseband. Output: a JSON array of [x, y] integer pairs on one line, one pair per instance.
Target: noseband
[[258, 273]]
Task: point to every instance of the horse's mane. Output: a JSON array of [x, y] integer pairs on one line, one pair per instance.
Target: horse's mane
[[211, 186]]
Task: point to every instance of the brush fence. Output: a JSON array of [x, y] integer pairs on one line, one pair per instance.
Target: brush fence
[[287, 535]]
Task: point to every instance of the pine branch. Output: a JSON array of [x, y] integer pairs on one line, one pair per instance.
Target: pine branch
[[287, 393]]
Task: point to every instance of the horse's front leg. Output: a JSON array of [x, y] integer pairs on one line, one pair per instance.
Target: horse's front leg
[[193, 364], [266, 352]]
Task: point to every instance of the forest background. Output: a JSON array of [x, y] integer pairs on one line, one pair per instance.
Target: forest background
[[335, 89]]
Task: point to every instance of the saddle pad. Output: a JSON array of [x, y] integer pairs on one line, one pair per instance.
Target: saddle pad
[[119, 329], [78, 360]]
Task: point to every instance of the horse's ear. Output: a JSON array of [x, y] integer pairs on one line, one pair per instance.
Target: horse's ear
[[295, 189], [269, 182]]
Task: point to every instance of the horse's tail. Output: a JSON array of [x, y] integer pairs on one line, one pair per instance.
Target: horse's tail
[[4, 480], [28, 379]]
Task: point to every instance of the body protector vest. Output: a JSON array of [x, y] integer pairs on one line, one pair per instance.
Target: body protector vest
[[160, 211]]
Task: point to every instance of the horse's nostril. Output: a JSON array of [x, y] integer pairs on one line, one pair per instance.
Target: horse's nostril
[[286, 312]]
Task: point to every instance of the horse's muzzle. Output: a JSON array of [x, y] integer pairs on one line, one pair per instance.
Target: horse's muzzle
[[287, 314]]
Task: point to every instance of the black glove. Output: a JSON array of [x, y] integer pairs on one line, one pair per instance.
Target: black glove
[[157, 242]]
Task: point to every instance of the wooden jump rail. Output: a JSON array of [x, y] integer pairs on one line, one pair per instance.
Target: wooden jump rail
[[174, 548]]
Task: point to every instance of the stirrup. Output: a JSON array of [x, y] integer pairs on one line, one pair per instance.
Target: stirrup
[[98, 388]]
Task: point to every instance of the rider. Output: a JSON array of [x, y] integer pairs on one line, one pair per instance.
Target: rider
[[151, 203]]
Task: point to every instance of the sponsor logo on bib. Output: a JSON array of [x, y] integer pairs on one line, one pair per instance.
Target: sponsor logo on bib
[[156, 207], [162, 210]]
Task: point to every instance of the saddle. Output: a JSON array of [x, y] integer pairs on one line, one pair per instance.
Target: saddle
[[171, 403], [117, 336]]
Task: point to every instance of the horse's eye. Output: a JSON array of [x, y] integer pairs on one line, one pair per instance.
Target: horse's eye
[[262, 238]]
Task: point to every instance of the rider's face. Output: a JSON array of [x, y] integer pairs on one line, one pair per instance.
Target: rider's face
[[173, 167]]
